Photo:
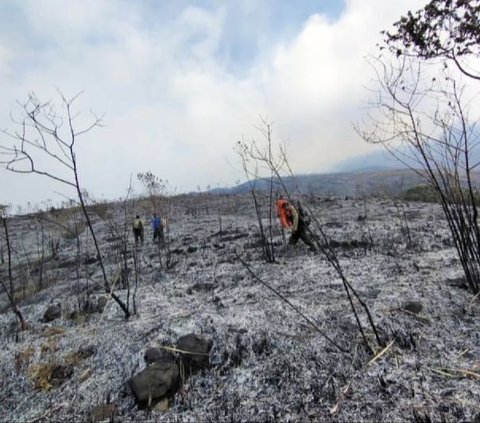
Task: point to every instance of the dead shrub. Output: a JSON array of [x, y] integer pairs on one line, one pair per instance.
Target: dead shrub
[[72, 232], [46, 376], [22, 359], [24, 293], [50, 346], [53, 331], [102, 210], [74, 358]]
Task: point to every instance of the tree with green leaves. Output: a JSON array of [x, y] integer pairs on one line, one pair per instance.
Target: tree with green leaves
[[443, 29]]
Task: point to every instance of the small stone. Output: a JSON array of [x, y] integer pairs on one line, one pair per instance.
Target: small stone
[[90, 260], [85, 375], [53, 312], [85, 352], [101, 303], [237, 277], [80, 318], [415, 307], [163, 405]]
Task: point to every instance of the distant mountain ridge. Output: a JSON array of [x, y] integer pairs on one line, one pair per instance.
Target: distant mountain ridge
[[344, 184], [358, 183]]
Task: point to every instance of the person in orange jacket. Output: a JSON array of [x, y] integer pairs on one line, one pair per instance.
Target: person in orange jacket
[[292, 220]]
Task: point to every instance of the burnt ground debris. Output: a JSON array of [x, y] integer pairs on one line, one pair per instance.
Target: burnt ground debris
[[266, 363]]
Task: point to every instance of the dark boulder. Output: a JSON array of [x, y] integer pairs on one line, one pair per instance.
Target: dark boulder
[[155, 355], [155, 382], [194, 352]]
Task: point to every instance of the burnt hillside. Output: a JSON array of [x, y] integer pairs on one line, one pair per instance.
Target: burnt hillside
[[264, 362]]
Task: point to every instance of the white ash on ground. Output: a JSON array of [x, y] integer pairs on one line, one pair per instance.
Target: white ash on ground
[[266, 362]]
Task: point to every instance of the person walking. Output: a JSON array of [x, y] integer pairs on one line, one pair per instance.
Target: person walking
[[157, 229], [292, 220], [137, 227]]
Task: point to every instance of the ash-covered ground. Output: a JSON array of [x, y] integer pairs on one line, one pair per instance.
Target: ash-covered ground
[[267, 363]]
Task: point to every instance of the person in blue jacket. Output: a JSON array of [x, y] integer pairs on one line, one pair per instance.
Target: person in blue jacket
[[157, 229]]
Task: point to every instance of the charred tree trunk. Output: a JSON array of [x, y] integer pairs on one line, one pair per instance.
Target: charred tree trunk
[[10, 289]]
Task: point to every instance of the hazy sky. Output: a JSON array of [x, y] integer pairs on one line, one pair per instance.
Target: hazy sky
[[179, 82]]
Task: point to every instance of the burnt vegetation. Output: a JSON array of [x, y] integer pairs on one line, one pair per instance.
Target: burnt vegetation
[[219, 318], [266, 360]]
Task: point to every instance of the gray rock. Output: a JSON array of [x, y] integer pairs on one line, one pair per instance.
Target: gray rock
[[85, 352], [101, 303], [53, 312], [195, 352], [237, 277], [413, 306], [155, 382], [200, 287], [371, 293]]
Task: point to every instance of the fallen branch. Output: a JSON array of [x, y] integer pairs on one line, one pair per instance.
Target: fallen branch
[[48, 413], [173, 349], [344, 392], [450, 372], [410, 313], [292, 306], [381, 353], [473, 299]]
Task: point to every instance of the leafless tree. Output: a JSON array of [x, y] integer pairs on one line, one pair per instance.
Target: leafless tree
[[119, 229], [156, 188], [260, 157], [159, 195], [404, 224], [47, 132], [279, 167], [422, 119], [10, 290]]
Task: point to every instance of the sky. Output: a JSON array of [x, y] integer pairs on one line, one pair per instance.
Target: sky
[[179, 82]]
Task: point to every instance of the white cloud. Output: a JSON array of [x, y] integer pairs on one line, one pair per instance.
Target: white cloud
[[171, 105], [315, 83], [5, 60]]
